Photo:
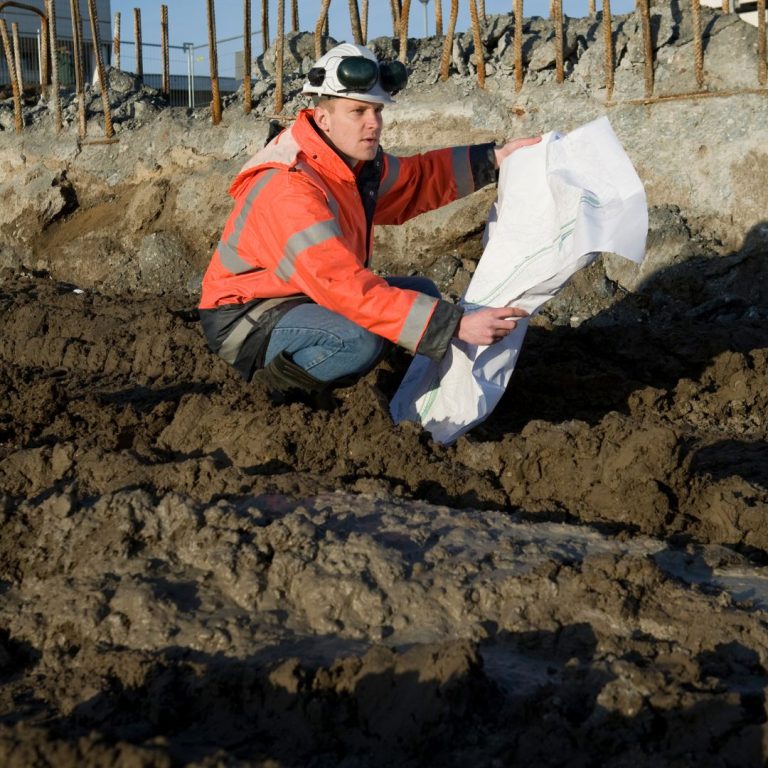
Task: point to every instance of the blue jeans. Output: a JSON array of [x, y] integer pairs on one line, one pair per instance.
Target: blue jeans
[[326, 344]]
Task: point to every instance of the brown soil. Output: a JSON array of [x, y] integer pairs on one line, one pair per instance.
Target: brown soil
[[193, 575]]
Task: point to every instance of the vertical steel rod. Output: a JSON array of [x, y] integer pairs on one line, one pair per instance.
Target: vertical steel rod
[[439, 18], [109, 131], [116, 41], [698, 48], [321, 22], [354, 21], [166, 82], [137, 43], [77, 42], [364, 21], [608, 45], [645, 21], [214, 61], [279, 56], [518, 45], [247, 97], [762, 65], [479, 52], [445, 59], [9, 60], [394, 7], [17, 56], [559, 52], [45, 59], [405, 12], [54, 44], [265, 24]]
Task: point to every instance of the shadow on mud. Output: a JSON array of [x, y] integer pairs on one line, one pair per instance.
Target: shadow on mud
[[674, 326], [548, 698]]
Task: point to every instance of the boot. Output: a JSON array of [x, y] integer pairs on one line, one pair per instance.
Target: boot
[[287, 382]]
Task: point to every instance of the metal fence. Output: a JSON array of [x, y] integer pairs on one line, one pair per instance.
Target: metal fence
[[190, 83]]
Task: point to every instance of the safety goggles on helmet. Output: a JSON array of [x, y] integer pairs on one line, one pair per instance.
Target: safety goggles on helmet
[[358, 74]]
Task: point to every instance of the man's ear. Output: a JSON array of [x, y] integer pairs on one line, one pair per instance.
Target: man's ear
[[321, 118]]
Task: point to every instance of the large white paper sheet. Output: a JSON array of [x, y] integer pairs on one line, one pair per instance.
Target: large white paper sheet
[[559, 204]]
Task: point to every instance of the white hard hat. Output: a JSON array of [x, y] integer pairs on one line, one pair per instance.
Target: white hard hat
[[325, 79]]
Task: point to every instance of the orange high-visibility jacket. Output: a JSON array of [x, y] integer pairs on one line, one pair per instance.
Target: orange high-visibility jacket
[[302, 227]]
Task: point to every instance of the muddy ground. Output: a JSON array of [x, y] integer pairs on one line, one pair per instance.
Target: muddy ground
[[192, 575]]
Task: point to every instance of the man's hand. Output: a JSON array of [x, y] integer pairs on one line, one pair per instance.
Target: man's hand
[[488, 325], [512, 146]]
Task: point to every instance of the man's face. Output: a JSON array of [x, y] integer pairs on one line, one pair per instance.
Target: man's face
[[352, 126]]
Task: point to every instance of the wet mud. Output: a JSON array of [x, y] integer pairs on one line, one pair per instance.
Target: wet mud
[[194, 575]]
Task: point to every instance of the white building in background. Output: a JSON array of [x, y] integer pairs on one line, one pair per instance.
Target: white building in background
[[29, 24]]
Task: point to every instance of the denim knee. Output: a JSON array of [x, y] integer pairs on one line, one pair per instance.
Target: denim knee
[[366, 349]]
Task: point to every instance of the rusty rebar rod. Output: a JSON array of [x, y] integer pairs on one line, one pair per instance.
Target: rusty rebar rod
[[559, 52], [265, 24], [77, 43], [438, 18], [481, 9], [698, 48], [109, 130], [394, 7], [592, 8], [116, 40], [279, 56], [321, 22], [139, 68], [54, 44], [294, 16], [643, 7], [165, 88], [479, 51], [11, 63], [608, 46], [214, 61], [445, 59], [364, 21], [17, 56], [518, 43], [354, 21], [726, 6], [247, 97], [45, 58], [405, 11], [762, 65], [693, 95]]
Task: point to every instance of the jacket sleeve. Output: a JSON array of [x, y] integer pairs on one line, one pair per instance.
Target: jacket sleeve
[[306, 249], [420, 183]]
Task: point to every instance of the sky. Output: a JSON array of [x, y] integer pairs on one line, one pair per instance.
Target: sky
[[187, 22]]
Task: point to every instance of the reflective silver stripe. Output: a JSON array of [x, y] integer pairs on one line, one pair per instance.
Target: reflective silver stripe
[[300, 241], [231, 261], [230, 348], [416, 322], [462, 171], [228, 254], [393, 173]]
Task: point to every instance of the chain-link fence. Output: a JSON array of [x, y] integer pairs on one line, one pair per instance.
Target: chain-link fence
[[190, 83]]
